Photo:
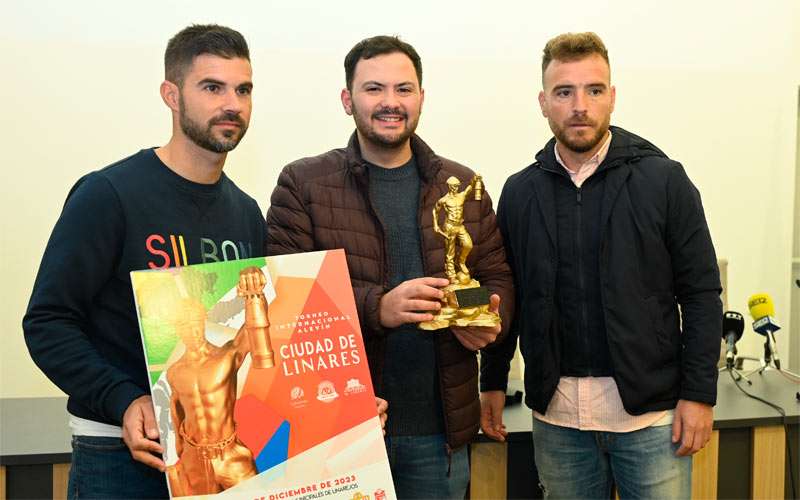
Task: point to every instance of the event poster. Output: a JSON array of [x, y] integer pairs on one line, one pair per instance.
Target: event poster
[[260, 380]]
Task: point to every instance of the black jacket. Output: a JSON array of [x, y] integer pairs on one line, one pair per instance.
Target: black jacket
[[655, 254]]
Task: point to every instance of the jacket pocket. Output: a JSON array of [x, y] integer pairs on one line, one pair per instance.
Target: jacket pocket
[[666, 344]]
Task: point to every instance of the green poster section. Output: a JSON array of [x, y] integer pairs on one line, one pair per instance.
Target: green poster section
[[206, 282]]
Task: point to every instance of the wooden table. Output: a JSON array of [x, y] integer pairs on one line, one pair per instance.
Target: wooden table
[[744, 458]]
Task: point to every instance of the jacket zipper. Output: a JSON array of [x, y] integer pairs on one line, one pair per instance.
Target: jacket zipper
[[614, 163], [581, 282]]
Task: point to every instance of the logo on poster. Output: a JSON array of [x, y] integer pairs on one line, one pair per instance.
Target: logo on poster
[[354, 386], [379, 495], [326, 392], [298, 400], [359, 496]]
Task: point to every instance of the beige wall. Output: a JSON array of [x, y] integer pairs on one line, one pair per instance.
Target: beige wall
[[715, 86]]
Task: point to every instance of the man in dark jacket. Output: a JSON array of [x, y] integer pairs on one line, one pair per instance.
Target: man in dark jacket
[[375, 199], [606, 237]]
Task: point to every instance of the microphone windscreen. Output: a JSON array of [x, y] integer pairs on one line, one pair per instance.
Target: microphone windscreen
[[761, 305], [732, 322]]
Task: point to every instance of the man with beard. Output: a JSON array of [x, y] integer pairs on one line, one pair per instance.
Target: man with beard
[[607, 237], [375, 199], [161, 207]]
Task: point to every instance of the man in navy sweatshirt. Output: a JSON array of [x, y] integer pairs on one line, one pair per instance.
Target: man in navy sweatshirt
[[160, 207]]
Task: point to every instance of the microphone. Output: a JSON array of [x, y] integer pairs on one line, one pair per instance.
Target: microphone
[[732, 328], [762, 310]]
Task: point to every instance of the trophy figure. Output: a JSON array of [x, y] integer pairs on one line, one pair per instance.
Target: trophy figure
[[211, 457], [465, 302]]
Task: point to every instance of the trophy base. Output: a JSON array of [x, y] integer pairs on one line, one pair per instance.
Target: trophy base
[[473, 314]]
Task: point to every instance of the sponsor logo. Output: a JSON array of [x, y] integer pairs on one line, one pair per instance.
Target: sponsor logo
[[379, 495], [326, 392], [298, 400], [354, 386]]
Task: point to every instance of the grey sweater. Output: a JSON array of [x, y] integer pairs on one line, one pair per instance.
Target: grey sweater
[[410, 380]]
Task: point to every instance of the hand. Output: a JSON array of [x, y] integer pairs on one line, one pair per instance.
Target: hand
[[478, 337], [251, 282], [382, 407], [140, 433], [492, 404], [402, 304], [691, 426]]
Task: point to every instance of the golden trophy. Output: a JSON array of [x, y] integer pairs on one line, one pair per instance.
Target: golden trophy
[[465, 302], [211, 458]]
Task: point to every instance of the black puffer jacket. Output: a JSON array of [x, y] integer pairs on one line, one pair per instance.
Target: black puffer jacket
[[322, 203], [655, 254]]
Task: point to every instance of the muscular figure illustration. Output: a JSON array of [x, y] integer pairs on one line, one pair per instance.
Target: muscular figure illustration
[[454, 231], [203, 382]]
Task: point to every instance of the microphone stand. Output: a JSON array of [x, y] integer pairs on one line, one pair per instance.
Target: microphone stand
[[767, 362], [737, 375], [733, 366]]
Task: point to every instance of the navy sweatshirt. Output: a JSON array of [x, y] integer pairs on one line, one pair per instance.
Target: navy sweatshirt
[[81, 326]]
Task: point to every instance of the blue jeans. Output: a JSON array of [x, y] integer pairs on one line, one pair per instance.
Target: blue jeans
[[102, 467], [420, 467], [585, 464]]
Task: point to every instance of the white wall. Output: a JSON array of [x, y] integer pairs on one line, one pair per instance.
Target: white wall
[[714, 84]]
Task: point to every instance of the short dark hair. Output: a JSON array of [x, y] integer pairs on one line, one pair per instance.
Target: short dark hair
[[569, 47], [378, 46], [199, 39]]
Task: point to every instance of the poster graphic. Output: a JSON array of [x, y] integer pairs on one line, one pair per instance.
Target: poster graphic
[[260, 380]]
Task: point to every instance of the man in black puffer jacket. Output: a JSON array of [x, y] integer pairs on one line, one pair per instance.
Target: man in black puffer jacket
[[606, 237]]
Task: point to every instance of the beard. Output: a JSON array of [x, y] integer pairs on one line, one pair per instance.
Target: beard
[[389, 141], [204, 137], [580, 143]]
